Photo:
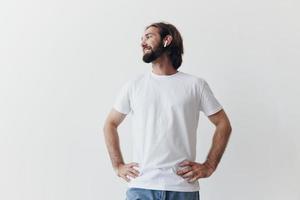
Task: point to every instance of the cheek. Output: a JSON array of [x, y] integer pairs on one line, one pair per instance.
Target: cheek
[[154, 45]]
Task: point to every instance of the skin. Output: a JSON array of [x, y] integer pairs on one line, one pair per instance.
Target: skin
[[192, 171], [151, 38]]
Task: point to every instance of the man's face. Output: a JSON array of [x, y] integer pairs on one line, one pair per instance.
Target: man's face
[[152, 44]]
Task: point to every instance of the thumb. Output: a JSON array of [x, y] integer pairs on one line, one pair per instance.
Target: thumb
[[133, 164], [185, 163]]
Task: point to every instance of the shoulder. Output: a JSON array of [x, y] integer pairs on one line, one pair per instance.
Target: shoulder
[[135, 81], [195, 79]]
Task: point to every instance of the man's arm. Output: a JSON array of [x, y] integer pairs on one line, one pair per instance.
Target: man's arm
[[194, 171], [220, 138], [111, 136]]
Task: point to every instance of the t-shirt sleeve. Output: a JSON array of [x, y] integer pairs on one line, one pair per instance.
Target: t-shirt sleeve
[[209, 105], [122, 101]]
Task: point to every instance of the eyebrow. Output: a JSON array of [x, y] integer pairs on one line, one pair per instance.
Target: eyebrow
[[147, 35]]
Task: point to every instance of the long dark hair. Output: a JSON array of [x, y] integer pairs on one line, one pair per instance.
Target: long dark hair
[[175, 49]]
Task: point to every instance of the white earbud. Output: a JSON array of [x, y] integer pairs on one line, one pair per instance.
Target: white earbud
[[165, 44]]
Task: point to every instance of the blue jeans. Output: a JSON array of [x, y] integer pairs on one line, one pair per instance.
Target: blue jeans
[[146, 194]]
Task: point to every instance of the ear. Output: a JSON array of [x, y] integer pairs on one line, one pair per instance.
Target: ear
[[168, 40]]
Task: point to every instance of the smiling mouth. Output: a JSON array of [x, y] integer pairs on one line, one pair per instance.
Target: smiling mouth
[[147, 49]]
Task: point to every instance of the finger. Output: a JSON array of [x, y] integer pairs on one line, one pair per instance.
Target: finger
[[188, 175], [184, 170], [192, 179], [125, 178], [131, 174], [136, 172], [185, 163]]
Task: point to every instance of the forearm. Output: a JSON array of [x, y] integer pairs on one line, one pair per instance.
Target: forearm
[[219, 143], [113, 145]]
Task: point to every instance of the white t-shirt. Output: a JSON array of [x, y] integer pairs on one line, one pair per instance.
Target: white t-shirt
[[165, 112]]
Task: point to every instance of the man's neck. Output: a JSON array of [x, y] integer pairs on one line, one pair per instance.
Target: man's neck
[[163, 66]]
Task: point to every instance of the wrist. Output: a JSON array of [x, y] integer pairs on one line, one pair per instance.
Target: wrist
[[211, 165], [117, 166]]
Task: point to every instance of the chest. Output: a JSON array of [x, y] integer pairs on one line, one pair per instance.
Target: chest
[[164, 97]]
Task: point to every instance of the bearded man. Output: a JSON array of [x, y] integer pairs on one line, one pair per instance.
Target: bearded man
[[165, 105]]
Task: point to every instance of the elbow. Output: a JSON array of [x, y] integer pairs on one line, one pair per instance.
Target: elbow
[[108, 126], [229, 128], [104, 128], [226, 127]]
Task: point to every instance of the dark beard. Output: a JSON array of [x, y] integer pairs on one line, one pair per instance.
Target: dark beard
[[154, 54]]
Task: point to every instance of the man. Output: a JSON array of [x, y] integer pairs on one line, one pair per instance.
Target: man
[[165, 104]]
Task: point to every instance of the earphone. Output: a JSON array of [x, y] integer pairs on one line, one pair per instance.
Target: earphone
[[165, 43]]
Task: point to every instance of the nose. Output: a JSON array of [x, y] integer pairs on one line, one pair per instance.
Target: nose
[[143, 43]]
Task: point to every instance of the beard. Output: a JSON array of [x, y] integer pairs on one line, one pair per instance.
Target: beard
[[154, 54]]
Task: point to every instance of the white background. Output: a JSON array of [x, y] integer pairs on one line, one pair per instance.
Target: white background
[[63, 62]]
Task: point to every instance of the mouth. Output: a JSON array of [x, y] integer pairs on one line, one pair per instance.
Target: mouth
[[147, 49]]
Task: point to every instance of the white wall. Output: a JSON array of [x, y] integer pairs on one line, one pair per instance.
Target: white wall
[[62, 63]]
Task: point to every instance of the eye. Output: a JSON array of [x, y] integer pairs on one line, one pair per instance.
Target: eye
[[146, 37]]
